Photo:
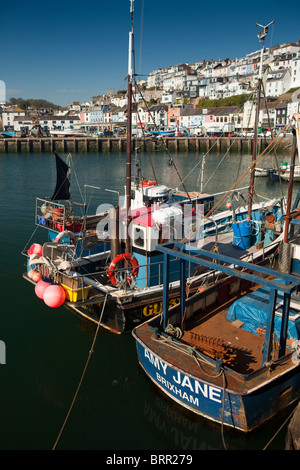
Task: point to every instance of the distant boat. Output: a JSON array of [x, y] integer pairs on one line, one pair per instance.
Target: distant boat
[[8, 133], [64, 133], [274, 175], [262, 171], [286, 175], [167, 133]]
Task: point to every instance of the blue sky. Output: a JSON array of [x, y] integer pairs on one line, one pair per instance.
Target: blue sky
[[66, 51]]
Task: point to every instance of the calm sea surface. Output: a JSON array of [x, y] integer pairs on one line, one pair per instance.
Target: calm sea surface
[[46, 349]]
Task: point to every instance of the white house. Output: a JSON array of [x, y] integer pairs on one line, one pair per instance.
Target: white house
[[9, 114], [158, 116], [47, 123], [293, 107], [168, 97], [278, 82], [286, 48], [234, 87], [295, 71], [140, 116], [191, 118]]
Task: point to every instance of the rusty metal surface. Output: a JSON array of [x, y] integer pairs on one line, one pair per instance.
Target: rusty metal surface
[[242, 374], [216, 348]]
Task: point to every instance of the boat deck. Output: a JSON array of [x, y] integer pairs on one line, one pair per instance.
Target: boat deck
[[219, 337], [216, 337]]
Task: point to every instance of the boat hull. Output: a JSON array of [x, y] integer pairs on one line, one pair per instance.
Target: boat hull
[[286, 177], [163, 133], [124, 312], [244, 410], [123, 317], [262, 172]]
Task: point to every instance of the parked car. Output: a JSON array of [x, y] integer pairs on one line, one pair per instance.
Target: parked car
[[265, 134], [247, 134]]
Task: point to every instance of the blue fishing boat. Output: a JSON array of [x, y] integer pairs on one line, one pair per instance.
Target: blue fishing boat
[[8, 133], [166, 133], [231, 352]]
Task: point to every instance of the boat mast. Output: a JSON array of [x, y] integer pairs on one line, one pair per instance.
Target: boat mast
[[129, 131], [296, 138], [261, 36]]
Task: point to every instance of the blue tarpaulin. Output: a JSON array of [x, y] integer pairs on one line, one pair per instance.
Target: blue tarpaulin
[[252, 310]]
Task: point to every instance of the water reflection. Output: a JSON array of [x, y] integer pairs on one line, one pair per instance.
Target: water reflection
[[118, 407]]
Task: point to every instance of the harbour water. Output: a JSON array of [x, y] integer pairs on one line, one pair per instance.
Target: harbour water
[[117, 408]]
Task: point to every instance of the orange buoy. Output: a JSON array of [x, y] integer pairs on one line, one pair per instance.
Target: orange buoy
[[40, 288], [146, 183], [228, 205], [54, 296], [30, 273], [36, 276]]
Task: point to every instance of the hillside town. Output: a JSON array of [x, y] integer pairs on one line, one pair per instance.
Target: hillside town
[[195, 99]]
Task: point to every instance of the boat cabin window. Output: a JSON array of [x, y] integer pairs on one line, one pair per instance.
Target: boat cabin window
[[139, 237], [295, 231], [149, 201]]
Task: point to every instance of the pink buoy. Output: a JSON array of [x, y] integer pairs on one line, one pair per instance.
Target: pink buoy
[[54, 296], [40, 288], [36, 277], [228, 205], [35, 249], [30, 273]]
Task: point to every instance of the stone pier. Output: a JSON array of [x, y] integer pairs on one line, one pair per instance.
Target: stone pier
[[118, 144]]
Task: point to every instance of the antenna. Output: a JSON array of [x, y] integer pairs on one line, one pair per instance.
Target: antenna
[[130, 48], [262, 34]]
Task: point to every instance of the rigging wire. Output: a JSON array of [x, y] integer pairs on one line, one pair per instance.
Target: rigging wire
[[171, 161], [82, 376], [261, 157], [215, 143]]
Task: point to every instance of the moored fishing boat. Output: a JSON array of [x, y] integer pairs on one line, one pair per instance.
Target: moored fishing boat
[[230, 353], [8, 133], [64, 133], [113, 254], [262, 171], [87, 254], [286, 175], [164, 133]]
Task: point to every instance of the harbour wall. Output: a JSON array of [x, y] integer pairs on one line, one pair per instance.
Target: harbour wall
[[119, 144]]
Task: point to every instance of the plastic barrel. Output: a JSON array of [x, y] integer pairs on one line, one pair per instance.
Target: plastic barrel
[[242, 234]]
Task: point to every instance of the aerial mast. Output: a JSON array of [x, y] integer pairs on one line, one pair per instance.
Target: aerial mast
[[261, 36], [129, 130]]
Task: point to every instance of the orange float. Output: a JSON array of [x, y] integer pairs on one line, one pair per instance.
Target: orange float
[[35, 249], [40, 288], [146, 183], [54, 296]]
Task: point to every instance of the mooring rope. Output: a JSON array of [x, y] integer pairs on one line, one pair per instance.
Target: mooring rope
[[280, 428], [82, 376]]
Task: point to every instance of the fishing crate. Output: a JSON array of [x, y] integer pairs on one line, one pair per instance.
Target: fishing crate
[[76, 295]]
